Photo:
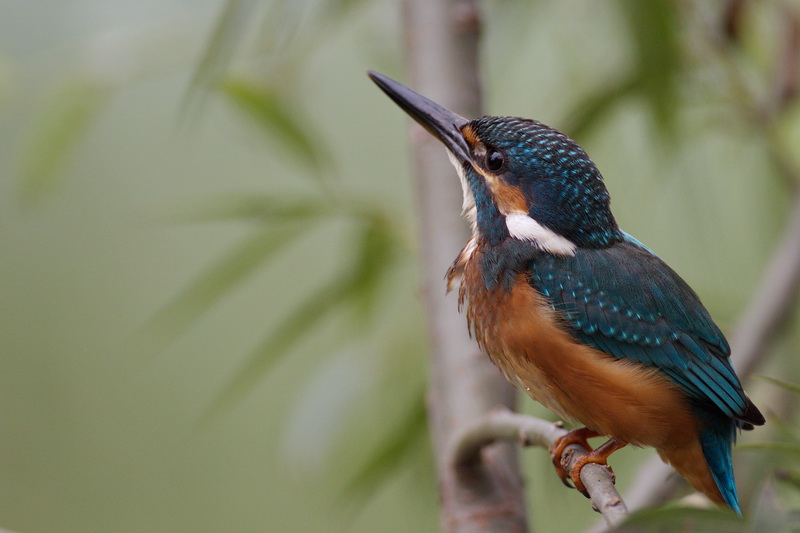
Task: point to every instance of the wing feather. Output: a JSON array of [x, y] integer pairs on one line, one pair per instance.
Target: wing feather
[[625, 301]]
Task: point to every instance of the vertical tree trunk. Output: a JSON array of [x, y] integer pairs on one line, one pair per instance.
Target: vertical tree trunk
[[442, 51]]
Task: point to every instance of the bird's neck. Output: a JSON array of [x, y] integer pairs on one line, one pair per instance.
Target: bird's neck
[[500, 263], [490, 225]]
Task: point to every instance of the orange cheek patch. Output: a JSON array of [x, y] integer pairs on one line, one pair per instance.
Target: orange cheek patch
[[509, 199]]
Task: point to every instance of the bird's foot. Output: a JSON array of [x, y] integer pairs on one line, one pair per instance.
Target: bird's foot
[[599, 456], [576, 436]]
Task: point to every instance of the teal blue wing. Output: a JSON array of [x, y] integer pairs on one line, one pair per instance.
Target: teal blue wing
[[625, 301]]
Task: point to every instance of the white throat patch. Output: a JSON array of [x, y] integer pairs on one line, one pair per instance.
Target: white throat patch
[[468, 209], [522, 227]]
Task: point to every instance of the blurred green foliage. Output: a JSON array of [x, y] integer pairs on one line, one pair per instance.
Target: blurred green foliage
[[60, 128], [654, 72], [280, 117], [274, 380]]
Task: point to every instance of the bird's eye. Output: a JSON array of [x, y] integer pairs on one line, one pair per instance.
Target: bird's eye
[[494, 160]]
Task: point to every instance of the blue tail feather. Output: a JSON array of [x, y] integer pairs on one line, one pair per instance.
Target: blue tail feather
[[717, 440]]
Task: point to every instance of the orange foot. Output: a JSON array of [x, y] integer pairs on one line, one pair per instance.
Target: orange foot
[[599, 456], [576, 436]]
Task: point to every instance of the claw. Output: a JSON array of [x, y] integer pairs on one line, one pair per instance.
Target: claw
[[561, 456], [599, 456], [576, 436]]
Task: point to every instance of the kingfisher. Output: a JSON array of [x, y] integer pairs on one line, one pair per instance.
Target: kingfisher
[[580, 315]]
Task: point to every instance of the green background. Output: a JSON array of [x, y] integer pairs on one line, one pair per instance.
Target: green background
[[114, 166]]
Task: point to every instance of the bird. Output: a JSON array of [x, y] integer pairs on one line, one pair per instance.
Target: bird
[[583, 317]]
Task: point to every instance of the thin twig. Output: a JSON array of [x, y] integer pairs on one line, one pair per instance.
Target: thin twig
[[774, 299], [772, 303], [502, 424]]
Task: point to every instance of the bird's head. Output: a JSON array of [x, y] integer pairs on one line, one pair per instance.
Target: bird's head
[[521, 179]]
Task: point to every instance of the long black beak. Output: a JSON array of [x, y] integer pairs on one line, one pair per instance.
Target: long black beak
[[439, 121]]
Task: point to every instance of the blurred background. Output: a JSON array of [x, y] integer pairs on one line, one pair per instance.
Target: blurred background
[[209, 316]]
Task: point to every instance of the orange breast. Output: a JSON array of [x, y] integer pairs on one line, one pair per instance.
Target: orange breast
[[525, 338]]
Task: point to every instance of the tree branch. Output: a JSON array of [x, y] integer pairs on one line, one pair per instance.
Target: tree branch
[[442, 49], [774, 299], [771, 305], [502, 424], [776, 295]]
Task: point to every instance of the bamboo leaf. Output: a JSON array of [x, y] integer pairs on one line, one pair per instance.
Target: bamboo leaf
[[341, 8], [358, 286], [323, 408], [253, 207], [61, 127], [683, 519], [385, 460], [782, 447], [768, 512], [374, 259], [788, 386], [654, 28], [590, 111], [279, 342], [270, 111], [224, 40], [289, 22], [216, 282]]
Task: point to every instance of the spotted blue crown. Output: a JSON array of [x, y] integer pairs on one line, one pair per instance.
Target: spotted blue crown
[[562, 186]]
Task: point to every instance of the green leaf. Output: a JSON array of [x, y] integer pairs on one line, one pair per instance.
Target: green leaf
[[224, 40], [59, 130], [683, 519], [270, 110], [385, 460], [782, 447], [357, 286], [252, 207], [654, 28], [216, 282], [279, 342], [341, 8], [590, 111], [303, 24], [789, 386], [375, 257]]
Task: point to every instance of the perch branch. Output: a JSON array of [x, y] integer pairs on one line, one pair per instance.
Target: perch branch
[[502, 424]]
